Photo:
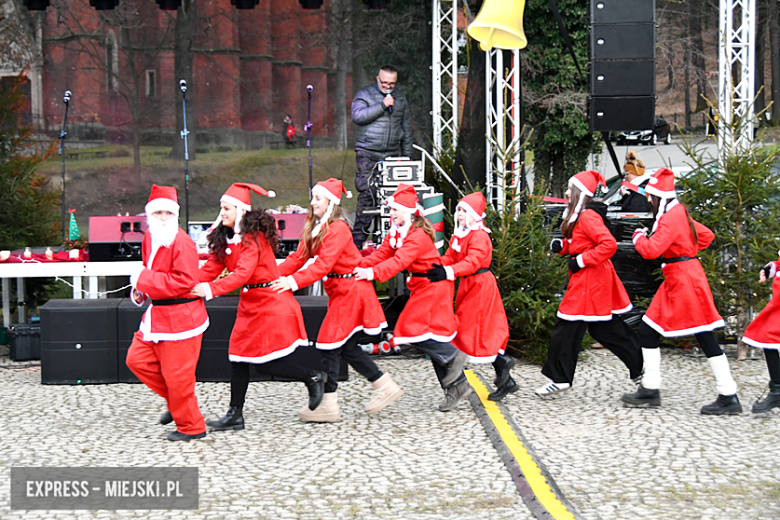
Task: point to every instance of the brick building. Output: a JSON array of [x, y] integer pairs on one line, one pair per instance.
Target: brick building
[[250, 69]]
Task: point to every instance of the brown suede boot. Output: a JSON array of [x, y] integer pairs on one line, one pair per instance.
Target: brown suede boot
[[385, 392], [327, 411]]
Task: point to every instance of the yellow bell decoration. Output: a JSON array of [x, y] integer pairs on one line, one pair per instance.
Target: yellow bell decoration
[[499, 24]]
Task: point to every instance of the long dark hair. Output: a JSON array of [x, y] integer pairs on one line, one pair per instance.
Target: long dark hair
[[567, 227], [255, 221], [655, 203]]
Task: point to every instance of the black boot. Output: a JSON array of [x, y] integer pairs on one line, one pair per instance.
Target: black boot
[[723, 405], [179, 436], [643, 396], [772, 400], [503, 364], [233, 420], [315, 383], [502, 391], [166, 417]]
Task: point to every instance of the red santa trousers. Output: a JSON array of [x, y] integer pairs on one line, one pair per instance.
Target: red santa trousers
[[168, 368]]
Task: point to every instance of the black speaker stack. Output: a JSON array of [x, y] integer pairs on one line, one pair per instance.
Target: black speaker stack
[[86, 341], [622, 65]]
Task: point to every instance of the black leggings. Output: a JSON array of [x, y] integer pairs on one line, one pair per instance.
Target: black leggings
[[648, 338], [282, 367], [773, 364], [356, 358]]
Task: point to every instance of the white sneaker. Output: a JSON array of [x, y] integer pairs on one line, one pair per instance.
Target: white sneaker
[[552, 388]]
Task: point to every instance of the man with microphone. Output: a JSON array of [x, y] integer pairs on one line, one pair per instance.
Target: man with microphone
[[384, 129]]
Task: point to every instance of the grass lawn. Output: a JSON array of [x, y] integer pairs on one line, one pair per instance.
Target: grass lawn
[[108, 186]]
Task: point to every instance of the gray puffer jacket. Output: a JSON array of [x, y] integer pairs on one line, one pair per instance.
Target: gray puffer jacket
[[378, 131]]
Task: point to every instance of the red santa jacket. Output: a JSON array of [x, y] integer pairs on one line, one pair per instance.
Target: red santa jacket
[[170, 273], [594, 292], [683, 304], [428, 313], [483, 330], [269, 325], [764, 331], [352, 304]]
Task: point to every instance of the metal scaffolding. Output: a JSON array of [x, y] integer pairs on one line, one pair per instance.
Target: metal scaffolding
[[736, 87], [445, 75], [502, 84]]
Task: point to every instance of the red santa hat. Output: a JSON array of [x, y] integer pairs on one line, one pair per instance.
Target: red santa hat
[[588, 182], [238, 195], [662, 184], [405, 199], [162, 198], [331, 189], [474, 205]]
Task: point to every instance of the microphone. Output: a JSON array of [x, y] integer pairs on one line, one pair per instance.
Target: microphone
[[66, 99], [183, 86], [389, 93], [309, 89]]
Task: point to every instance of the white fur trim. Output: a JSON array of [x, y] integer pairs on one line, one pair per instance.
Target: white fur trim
[[439, 244], [235, 202], [636, 236], [456, 245], [161, 204], [758, 344], [668, 204], [583, 317], [450, 273], [148, 335], [652, 190], [293, 285], [136, 274], [481, 360], [395, 205], [583, 189], [207, 290], [402, 340], [271, 193], [624, 310], [469, 211], [273, 355], [371, 273], [684, 332], [318, 189], [337, 344], [580, 261]]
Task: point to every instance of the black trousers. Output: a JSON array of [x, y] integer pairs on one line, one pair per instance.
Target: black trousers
[[366, 196], [648, 338], [441, 355], [282, 367], [566, 341], [356, 358]]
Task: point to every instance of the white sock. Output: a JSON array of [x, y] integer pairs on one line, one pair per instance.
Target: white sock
[[720, 368], [652, 376]]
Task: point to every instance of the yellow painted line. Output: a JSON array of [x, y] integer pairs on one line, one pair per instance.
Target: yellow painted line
[[531, 471]]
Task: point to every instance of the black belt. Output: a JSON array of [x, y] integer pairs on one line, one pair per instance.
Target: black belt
[[419, 275], [174, 301], [679, 259], [337, 275], [258, 285], [479, 271]]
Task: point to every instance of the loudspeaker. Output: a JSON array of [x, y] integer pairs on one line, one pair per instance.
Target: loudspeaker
[[615, 114], [622, 42], [622, 11], [214, 364], [622, 78], [79, 341], [128, 319]]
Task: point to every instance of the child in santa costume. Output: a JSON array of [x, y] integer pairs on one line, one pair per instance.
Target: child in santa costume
[[595, 296], [764, 332], [683, 304], [269, 325], [483, 330], [352, 305], [165, 350], [427, 321]]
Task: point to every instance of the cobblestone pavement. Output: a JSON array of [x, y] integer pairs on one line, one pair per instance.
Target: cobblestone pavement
[[411, 461]]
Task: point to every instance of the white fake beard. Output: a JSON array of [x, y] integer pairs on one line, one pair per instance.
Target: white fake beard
[[163, 231]]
